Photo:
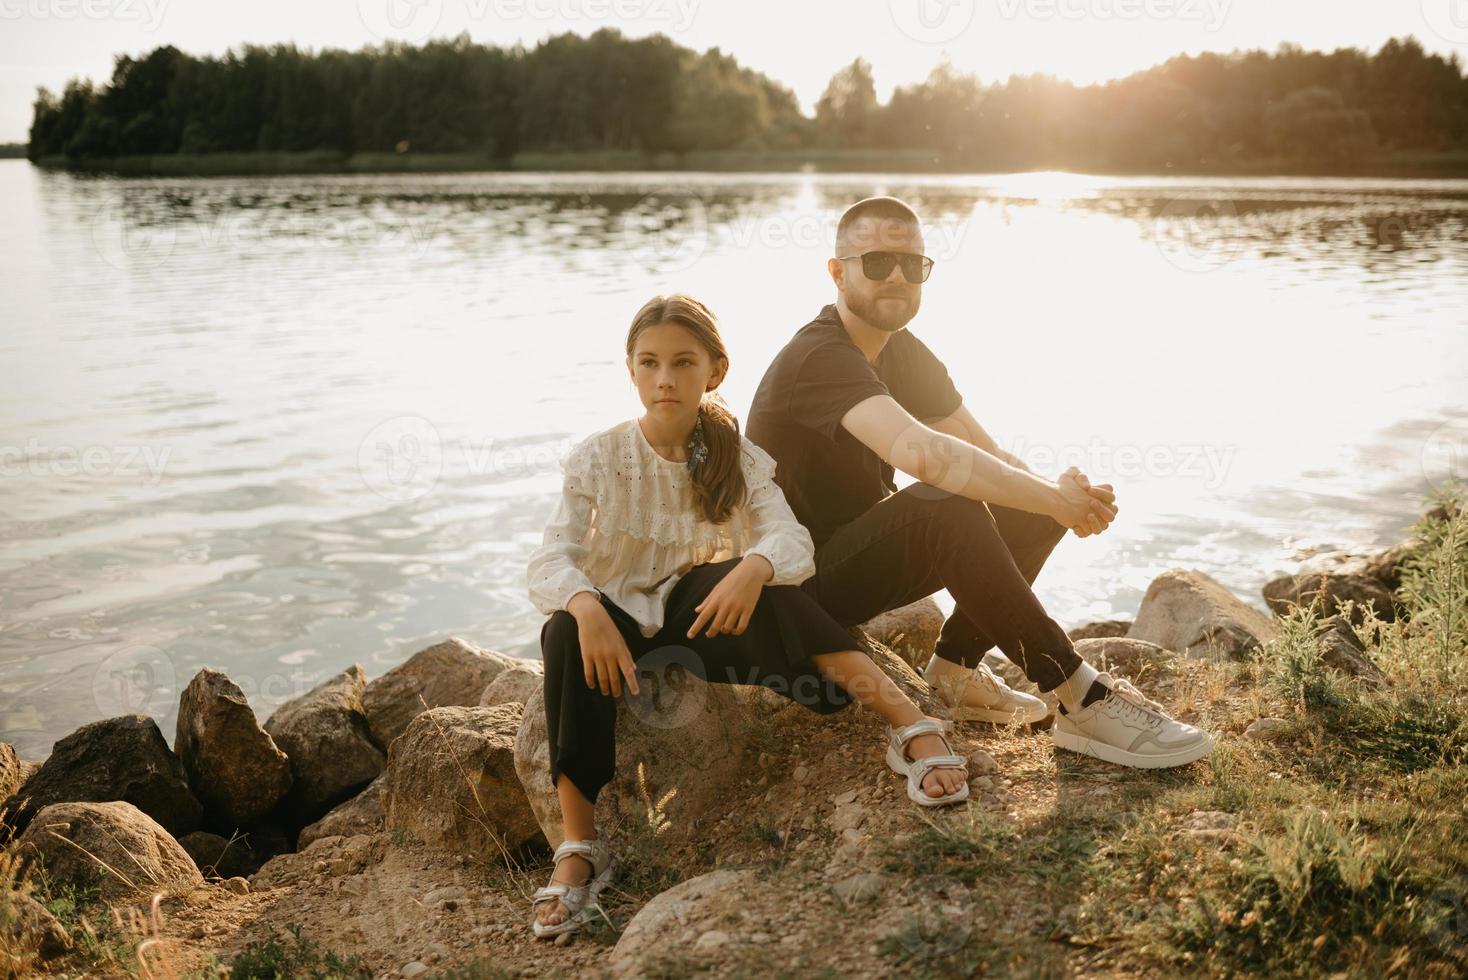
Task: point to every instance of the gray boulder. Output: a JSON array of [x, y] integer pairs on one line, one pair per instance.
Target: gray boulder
[[451, 783], [362, 814], [114, 844], [1328, 590], [332, 755], [12, 771], [1341, 649], [690, 738], [679, 923], [1100, 629], [449, 673], [234, 767], [909, 631], [1192, 613], [123, 758], [513, 686]]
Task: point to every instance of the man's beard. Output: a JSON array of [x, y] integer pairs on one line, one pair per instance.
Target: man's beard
[[885, 318]]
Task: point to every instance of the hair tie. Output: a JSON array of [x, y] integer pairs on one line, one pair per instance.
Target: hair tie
[[698, 450]]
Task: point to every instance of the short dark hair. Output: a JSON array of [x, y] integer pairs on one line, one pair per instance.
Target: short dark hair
[[883, 208]]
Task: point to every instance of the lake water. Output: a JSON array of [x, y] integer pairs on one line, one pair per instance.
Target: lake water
[[280, 425]]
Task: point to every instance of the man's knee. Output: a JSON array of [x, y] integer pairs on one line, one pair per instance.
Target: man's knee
[[957, 512]]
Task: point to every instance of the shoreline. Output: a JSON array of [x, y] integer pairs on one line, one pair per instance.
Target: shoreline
[[421, 862], [1435, 166]]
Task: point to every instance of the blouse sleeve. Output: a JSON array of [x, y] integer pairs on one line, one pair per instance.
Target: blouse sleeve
[[773, 529], [553, 571]]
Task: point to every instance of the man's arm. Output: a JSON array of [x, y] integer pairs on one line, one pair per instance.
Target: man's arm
[[948, 463], [962, 425]]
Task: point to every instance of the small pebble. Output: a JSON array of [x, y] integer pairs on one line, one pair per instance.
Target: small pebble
[[982, 763]]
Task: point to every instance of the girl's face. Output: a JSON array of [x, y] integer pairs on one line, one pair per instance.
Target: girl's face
[[672, 370]]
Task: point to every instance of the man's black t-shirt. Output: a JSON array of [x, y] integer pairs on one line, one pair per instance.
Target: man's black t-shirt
[[827, 474]]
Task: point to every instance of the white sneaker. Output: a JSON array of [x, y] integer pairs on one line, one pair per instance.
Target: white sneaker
[[979, 695], [1129, 729]]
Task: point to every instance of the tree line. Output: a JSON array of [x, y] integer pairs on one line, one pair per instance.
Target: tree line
[[607, 92]]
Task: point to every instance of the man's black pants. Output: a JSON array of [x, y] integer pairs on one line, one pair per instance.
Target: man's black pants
[[922, 539]]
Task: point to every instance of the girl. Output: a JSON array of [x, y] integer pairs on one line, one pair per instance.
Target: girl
[[671, 533]]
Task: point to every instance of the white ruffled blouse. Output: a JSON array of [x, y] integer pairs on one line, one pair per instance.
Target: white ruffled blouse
[[627, 526]]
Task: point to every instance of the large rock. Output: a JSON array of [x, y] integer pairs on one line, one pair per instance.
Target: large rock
[[12, 772], [1386, 566], [1100, 629], [362, 814], [902, 673], [1187, 611], [123, 758], [235, 768], [909, 631], [1123, 656], [1341, 649], [332, 754], [451, 782], [513, 686], [29, 930], [115, 844], [689, 736], [674, 924], [1329, 590], [449, 673]]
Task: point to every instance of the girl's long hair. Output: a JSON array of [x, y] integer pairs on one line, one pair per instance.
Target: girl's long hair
[[718, 483]]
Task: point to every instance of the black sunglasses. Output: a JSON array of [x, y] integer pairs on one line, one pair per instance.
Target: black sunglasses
[[878, 265]]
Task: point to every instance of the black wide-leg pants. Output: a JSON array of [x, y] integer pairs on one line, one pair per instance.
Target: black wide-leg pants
[[786, 629]]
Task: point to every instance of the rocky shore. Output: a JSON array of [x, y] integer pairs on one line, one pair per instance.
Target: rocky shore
[[399, 823]]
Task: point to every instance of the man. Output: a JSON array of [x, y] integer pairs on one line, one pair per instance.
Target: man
[[853, 396]]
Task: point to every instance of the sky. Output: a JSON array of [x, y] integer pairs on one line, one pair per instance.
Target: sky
[[798, 42]]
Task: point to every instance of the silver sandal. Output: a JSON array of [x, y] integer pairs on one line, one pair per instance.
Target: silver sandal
[[582, 902], [917, 769]]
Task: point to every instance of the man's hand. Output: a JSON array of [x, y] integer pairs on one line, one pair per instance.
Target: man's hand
[[1087, 509], [604, 654], [729, 605]]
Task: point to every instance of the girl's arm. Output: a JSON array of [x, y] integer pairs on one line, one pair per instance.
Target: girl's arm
[[553, 571], [775, 533]]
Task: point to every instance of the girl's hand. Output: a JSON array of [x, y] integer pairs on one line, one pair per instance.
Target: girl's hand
[[730, 603], [604, 654]]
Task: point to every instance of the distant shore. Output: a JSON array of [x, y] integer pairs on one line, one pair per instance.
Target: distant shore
[[830, 161]]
